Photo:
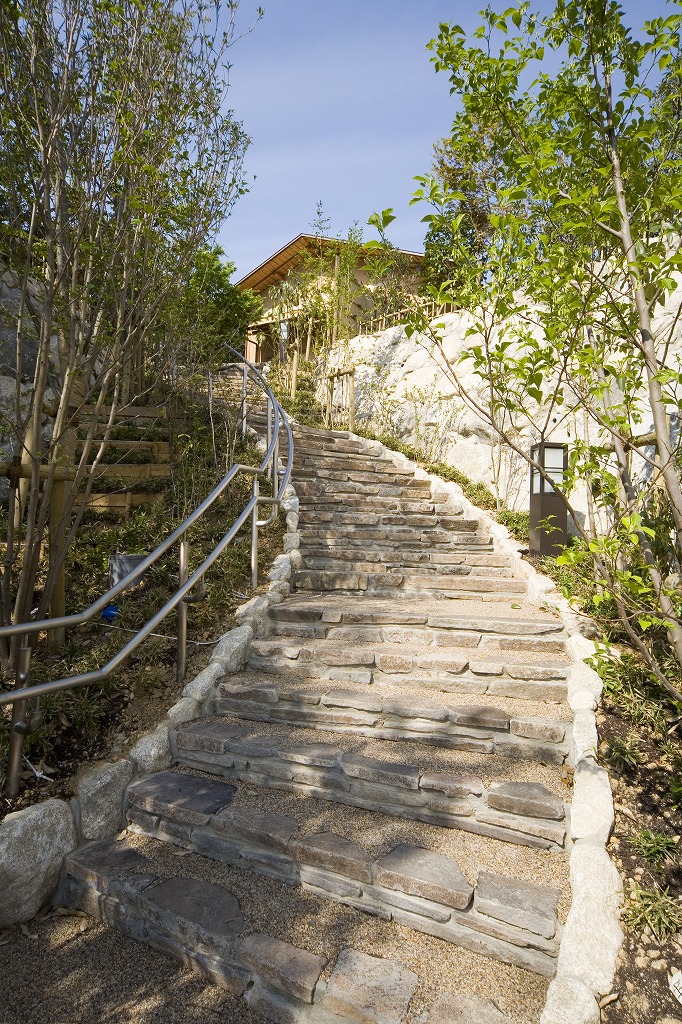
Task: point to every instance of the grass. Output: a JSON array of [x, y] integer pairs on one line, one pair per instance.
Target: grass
[[655, 848], [652, 908], [624, 754]]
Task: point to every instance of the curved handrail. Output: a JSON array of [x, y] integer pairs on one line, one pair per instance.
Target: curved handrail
[[280, 478]]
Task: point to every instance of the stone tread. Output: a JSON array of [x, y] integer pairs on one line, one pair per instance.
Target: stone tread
[[311, 689], [372, 712], [372, 774], [426, 884], [400, 658], [202, 922], [257, 736], [467, 614]]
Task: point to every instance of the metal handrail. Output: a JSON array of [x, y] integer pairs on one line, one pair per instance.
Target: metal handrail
[[276, 418]]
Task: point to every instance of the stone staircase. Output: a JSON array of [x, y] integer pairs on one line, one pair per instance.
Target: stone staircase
[[374, 809]]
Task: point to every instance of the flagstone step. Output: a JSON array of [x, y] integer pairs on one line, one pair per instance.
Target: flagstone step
[[412, 582], [421, 636], [463, 624], [392, 715], [409, 543], [471, 669], [511, 920], [206, 927], [338, 488], [372, 512], [391, 561], [336, 768], [380, 503]]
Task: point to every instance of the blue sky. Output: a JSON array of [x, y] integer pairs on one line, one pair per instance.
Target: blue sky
[[342, 105]]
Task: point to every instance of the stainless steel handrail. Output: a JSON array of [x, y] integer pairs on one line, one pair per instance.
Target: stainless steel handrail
[[276, 418]]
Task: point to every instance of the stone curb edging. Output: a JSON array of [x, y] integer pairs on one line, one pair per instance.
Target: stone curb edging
[[34, 841]]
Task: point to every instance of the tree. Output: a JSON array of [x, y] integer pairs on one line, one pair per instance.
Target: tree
[[582, 253], [125, 162], [207, 313]]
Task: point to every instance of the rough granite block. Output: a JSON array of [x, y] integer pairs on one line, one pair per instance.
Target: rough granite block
[[419, 872], [276, 1007], [184, 798], [552, 831], [462, 1008], [334, 885], [285, 966], [321, 755], [428, 710], [97, 863], [208, 737], [524, 904], [198, 914], [334, 853], [369, 990], [414, 904], [259, 828], [538, 729], [373, 770], [357, 699], [525, 798], [484, 717], [452, 785]]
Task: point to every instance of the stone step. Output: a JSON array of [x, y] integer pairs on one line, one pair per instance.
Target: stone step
[[509, 919], [409, 583], [203, 925], [339, 488], [384, 713], [392, 561], [448, 669], [380, 519], [469, 617], [488, 645], [338, 769], [379, 503], [311, 469], [326, 543], [325, 527]]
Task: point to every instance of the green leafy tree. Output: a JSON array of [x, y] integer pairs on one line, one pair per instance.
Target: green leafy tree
[[583, 250], [124, 162]]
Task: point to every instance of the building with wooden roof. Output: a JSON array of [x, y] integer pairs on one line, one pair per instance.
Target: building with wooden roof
[[315, 289]]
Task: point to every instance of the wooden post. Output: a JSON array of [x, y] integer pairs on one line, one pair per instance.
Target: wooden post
[[351, 400]]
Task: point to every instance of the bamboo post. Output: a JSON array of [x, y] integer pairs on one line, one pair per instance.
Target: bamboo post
[[294, 372]]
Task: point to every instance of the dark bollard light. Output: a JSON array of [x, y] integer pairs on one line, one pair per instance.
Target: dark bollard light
[[548, 516]]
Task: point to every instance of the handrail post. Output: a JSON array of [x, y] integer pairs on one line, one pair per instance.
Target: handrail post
[[181, 659], [16, 734], [254, 535]]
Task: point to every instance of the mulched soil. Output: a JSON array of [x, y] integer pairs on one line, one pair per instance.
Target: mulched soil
[[641, 992]]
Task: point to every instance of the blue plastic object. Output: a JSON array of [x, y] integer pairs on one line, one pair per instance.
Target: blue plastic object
[[110, 613]]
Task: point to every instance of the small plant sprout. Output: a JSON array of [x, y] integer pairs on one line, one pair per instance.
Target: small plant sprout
[[654, 908], [655, 847], [624, 754]]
